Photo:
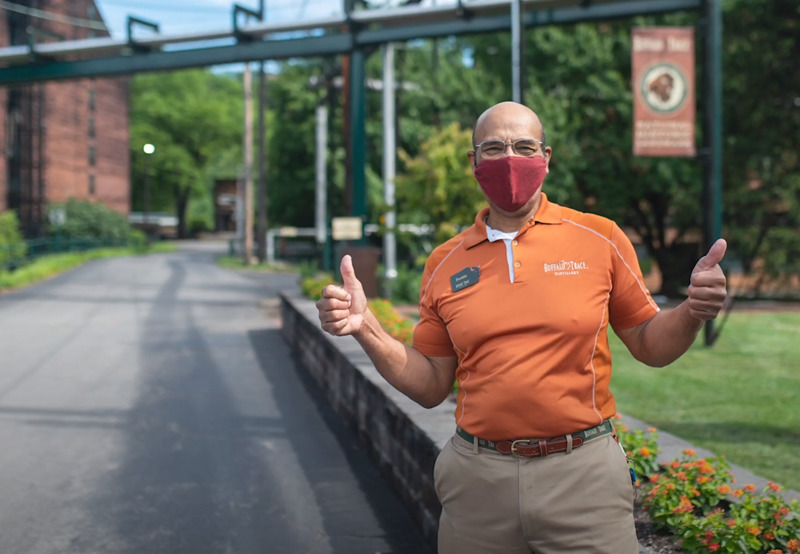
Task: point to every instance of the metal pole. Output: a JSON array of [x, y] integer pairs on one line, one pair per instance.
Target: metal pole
[[517, 52], [262, 166], [321, 215], [389, 243], [248, 164], [358, 138], [712, 133], [146, 220]]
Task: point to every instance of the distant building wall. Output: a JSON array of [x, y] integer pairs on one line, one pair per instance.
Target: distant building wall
[[65, 139]]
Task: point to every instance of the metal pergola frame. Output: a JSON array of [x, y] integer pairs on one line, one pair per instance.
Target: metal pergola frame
[[357, 33]]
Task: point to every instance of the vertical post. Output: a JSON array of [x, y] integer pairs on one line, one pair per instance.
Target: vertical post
[[389, 243], [517, 52], [148, 150], [712, 134], [262, 166], [248, 165], [321, 213], [358, 139]]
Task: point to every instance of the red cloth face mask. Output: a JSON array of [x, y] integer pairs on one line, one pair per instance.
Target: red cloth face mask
[[510, 182]]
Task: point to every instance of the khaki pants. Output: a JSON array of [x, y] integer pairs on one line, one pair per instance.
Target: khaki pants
[[581, 502]]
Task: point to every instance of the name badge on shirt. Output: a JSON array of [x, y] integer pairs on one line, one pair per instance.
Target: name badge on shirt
[[465, 278]]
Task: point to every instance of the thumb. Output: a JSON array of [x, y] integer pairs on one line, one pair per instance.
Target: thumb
[[714, 256], [349, 279]]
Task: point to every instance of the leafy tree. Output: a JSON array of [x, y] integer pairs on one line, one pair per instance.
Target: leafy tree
[[191, 117], [437, 187], [762, 141]]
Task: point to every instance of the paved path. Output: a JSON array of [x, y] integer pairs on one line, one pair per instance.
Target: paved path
[[150, 405]]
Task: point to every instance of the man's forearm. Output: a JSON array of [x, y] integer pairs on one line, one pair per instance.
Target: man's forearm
[[405, 368], [665, 337]]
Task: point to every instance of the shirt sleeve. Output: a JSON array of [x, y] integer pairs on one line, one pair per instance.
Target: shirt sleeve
[[430, 335], [631, 302]]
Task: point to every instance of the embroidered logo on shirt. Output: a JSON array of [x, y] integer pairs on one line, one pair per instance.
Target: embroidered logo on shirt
[[565, 267]]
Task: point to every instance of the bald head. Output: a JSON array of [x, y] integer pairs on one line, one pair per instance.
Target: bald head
[[507, 117]]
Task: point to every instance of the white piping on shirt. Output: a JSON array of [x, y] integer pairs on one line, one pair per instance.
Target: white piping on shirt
[[591, 359], [624, 261], [425, 291]]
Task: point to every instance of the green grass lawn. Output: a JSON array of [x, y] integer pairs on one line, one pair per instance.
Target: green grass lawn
[[740, 399]]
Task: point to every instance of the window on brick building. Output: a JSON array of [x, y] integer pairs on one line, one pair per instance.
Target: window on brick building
[[91, 100], [92, 155], [91, 127], [91, 184]]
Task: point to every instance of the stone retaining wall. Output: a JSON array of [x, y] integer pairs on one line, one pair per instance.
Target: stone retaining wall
[[402, 437]]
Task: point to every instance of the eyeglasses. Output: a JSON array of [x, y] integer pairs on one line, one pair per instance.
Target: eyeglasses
[[525, 147]]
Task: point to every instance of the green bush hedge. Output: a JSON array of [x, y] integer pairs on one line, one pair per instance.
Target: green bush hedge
[[89, 220], [12, 246]]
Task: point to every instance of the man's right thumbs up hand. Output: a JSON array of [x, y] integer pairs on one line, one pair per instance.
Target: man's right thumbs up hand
[[341, 309]]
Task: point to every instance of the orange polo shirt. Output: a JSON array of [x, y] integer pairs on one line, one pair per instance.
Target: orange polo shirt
[[533, 355]]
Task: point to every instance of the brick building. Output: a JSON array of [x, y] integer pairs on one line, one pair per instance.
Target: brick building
[[64, 139]]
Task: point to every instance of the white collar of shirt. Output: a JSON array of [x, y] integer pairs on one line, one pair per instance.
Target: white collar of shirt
[[494, 235]]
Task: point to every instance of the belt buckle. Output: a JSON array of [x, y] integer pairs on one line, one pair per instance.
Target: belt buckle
[[514, 446]]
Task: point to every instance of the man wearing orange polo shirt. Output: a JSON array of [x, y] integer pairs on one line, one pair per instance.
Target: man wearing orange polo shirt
[[517, 308]]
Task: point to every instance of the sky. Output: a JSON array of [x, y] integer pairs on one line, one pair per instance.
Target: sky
[[197, 16]]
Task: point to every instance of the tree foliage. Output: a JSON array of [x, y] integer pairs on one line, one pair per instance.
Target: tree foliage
[[437, 187], [762, 135], [578, 81], [192, 117]]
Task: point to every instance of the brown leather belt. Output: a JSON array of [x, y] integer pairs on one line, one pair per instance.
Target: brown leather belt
[[535, 448]]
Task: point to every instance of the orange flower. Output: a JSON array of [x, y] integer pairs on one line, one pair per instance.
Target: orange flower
[[703, 479], [681, 475], [675, 465], [651, 429], [713, 547], [690, 452], [774, 486], [738, 493], [793, 545], [755, 531], [750, 488], [654, 478], [724, 489], [644, 451], [769, 535], [775, 551]]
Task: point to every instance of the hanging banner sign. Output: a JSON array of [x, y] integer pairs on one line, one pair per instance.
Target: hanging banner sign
[[662, 60]]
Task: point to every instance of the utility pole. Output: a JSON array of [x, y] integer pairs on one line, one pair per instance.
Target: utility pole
[[248, 164], [389, 241], [262, 166], [517, 52]]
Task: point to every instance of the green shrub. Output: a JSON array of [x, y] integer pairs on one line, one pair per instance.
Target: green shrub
[[405, 287], [88, 220], [764, 522], [392, 321], [138, 240], [312, 286], [641, 450], [12, 246]]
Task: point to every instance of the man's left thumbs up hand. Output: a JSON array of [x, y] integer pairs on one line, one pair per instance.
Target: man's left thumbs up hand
[[707, 291]]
